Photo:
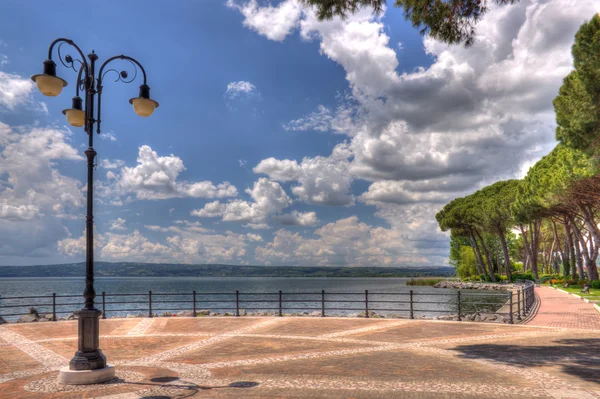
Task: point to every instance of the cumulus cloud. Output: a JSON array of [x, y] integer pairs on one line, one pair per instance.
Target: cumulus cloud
[[344, 242], [14, 90], [184, 242], [156, 177], [111, 164], [269, 200], [296, 218], [34, 186], [273, 22], [473, 116], [321, 180]]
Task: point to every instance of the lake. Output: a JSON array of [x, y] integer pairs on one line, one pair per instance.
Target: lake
[[343, 296]]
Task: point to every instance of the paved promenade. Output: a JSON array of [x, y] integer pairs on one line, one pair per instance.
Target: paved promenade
[[254, 357], [559, 309]]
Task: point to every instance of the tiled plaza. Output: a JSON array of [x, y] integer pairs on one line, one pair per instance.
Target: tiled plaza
[[254, 357]]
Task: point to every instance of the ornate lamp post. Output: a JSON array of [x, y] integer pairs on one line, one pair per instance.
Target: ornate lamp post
[[89, 366]]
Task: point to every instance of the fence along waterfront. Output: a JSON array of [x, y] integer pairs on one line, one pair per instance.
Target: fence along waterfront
[[410, 304]]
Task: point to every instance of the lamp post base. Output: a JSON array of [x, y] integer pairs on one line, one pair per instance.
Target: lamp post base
[[67, 376], [88, 356]]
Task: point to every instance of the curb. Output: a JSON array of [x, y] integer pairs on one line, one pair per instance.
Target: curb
[[534, 309]]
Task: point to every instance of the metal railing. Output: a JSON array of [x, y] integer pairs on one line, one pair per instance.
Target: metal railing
[[411, 304]]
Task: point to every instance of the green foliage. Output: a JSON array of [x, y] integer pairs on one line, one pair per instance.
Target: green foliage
[[467, 266], [457, 241], [450, 21], [595, 284], [545, 188], [577, 105], [523, 276]]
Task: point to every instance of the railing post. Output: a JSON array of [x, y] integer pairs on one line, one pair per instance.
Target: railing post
[[367, 304], [518, 304], [511, 321], [237, 303], [280, 304], [103, 305], [194, 300], [412, 314], [54, 306], [322, 303], [459, 307], [149, 303], [523, 300]]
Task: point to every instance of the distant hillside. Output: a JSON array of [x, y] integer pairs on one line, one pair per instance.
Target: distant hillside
[[131, 269]]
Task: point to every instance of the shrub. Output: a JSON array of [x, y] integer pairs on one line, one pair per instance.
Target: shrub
[[523, 276], [595, 284], [547, 277]]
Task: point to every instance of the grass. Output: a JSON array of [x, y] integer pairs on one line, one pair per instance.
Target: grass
[[425, 281], [594, 292]]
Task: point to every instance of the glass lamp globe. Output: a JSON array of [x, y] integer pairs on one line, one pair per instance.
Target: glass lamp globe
[[48, 83], [144, 105], [75, 115]]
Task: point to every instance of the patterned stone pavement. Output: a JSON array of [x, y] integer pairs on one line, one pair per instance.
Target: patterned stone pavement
[[559, 309], [253, 357]]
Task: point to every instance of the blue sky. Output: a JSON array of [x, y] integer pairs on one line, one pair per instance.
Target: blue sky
[[279, 139]]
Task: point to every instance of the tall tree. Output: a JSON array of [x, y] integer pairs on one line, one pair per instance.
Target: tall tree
[[577, 105]]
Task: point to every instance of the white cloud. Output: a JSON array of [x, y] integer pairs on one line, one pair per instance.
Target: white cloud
[[405, 192], [299, 218], [156, 177], [18, 212], [118, 224], [34, 186], [108, 136], [235, 89], [185, 242], [254, 237], [269, 200], [321, 180], [473, 116], [14, 90], [111, 164], [344, 242], [273, 22]]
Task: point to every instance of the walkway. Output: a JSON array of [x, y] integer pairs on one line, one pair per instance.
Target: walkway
[[309, 357], [559, 309]]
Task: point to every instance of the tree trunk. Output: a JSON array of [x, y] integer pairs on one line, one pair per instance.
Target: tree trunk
[[564, 260], [535, 241], [488, 256], [505, 251], [532, 244], [571, 248], [592, 269], [478, 260]]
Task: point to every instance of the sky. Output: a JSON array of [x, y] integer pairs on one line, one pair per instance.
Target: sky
[[280, 139]]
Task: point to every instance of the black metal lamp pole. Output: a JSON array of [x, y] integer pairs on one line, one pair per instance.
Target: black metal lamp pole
[[89, 356]]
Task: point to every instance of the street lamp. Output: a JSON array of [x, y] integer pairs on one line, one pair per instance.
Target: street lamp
[[88, 366]]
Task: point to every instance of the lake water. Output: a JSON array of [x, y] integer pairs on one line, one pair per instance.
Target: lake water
[[343, 295]]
